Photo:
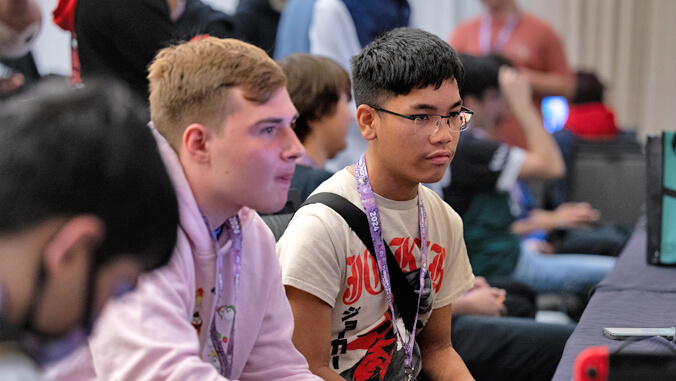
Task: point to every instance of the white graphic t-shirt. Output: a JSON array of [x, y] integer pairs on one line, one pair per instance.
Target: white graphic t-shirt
[[322, 256]]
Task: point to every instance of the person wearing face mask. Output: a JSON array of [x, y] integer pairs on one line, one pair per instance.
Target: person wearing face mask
[[86, 206]]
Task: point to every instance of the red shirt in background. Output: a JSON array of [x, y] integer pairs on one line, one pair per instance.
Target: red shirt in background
[[533, 44]]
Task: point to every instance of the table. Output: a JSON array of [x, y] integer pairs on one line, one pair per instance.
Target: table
[[633, 294]]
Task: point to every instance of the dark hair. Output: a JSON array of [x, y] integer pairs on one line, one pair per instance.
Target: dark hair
[[401, 60], [481, 74], [315, 85], [589, 88], [65, 152]]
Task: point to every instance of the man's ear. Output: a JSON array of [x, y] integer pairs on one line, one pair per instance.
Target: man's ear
[[366, 117], [76, 240], [195, 142]]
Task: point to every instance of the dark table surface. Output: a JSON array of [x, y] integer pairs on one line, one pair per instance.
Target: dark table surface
[[633, 294]]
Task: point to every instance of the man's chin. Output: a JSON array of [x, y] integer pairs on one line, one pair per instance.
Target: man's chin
[[269, 207], [432, 177]]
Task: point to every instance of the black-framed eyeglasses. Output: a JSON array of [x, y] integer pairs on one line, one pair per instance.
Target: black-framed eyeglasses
[[427, 124]]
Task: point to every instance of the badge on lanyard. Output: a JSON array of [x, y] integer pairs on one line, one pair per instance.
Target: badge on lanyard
[[368, 200]]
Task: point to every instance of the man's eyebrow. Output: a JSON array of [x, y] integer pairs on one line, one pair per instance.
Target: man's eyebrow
[[454, 105], [430, 107], [274, 120], [270, 120]]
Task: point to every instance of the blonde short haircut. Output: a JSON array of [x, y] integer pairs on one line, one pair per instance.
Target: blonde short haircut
[[189, 83]]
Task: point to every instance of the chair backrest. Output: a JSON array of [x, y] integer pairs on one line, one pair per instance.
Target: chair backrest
[[277, 223]]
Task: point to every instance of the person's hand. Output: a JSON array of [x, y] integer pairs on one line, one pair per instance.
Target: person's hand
[[567, 215], [11, 84], [515, 88], [485, 301], [575, 214], [479, 282]]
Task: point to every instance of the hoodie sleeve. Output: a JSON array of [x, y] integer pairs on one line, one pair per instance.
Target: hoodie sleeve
[[147, 335]]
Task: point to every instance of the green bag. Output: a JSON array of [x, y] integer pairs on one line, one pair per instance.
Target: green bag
[[661, 203]]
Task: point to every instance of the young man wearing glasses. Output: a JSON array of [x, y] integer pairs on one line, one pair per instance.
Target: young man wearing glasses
[[349, 323]]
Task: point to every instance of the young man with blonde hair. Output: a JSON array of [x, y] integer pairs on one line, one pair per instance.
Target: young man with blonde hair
[[222, 120]]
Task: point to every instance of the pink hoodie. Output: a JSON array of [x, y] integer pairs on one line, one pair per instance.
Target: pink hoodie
[[148, 334]]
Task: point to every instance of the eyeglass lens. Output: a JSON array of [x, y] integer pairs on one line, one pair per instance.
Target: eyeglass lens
[[429, 124]]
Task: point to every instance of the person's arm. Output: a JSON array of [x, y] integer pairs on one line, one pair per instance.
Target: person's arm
[[548, 83], [555, 77], [543, 158], [312, 336], [312, 273], [567, 215], [486, 301], [439, 360], [273, 355]]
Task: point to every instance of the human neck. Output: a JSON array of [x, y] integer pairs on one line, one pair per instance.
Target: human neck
[[214, 208], [384, 184], [314, 150], [504, 10]]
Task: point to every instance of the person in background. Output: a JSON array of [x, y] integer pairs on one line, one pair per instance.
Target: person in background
[[20, 24], [86, 206], [485, 172], [526, 40], [257, 22], [347, 324], [588, 116], [320, 89], [119, 38], [589, 119], [338, 29], [223, 121]]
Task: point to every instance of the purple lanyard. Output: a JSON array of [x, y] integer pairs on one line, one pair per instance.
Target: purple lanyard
[[502, 38], [235, 252], [368, 200]]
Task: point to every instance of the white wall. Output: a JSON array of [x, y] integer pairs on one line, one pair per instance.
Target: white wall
[[441, 16], [52, 47]]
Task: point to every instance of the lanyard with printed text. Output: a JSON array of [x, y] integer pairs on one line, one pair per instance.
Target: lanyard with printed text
[[502, 38], [368, 200], [235, 253]]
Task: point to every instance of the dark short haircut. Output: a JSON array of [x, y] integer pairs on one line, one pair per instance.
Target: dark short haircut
[[66, 152], [401, 60], [315, 85], [589, 88], [481, 74]]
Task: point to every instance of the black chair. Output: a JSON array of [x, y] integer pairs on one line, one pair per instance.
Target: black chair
[[279, 221]]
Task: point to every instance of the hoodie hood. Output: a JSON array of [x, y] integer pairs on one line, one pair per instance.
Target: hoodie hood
[[64, 15], [591, 121]]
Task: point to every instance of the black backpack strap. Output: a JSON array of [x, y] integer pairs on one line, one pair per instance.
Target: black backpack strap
[[402, 292]]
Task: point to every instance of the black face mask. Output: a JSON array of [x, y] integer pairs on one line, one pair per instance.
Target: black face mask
[[46, 347]]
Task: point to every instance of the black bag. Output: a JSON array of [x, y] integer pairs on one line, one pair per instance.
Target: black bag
[[404, 296], [661, 203]]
